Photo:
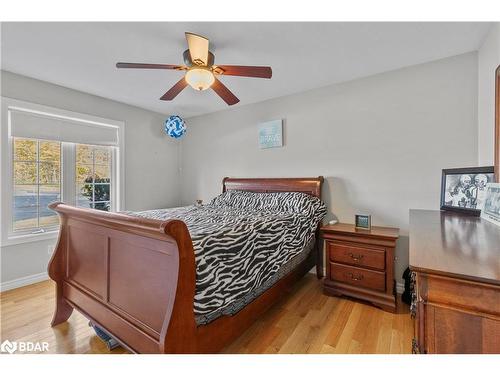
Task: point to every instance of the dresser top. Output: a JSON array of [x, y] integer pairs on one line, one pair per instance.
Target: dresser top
[[455, 245], [379, 232]]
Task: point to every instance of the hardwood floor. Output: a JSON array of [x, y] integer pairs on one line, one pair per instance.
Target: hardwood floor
[[305, 321]]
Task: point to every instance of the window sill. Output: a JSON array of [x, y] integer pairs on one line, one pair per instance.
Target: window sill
[[31, 237]]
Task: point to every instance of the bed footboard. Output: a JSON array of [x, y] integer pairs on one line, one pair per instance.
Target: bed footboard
[[123, 273]]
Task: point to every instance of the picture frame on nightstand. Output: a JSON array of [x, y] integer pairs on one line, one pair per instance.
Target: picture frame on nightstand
[[363, 221]]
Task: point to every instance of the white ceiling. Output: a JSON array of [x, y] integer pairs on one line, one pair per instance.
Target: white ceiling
[[303, 56]]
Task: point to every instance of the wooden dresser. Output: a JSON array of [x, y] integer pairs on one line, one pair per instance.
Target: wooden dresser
[[360, 263], [456, 265]]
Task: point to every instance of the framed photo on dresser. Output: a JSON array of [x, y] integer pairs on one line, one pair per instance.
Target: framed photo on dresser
[[491, 209], [497, 124], [464, 189]]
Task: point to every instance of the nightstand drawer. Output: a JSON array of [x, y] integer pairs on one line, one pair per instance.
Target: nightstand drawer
[[357, 276], [357, 256]]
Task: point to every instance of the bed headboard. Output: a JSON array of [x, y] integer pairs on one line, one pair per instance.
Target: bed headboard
[[308, 185]]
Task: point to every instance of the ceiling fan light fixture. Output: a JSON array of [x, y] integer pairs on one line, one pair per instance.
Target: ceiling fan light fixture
[[199, 78], [201, 73]]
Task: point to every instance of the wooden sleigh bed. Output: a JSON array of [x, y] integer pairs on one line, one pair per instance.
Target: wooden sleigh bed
[[135, 277]]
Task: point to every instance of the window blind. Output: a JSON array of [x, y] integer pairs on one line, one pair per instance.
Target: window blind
[[26, 124]]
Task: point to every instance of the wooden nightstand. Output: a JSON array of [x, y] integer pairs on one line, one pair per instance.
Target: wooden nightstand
[[360, 263]]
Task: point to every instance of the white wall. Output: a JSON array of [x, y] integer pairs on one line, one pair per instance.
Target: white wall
[[380, 141], [151, 160], [488, 61]]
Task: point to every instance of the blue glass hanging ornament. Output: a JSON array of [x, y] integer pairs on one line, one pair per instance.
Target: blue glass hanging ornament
[[175, 126]]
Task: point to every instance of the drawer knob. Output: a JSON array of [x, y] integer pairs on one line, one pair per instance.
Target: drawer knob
[[354, 277], [356, 258]]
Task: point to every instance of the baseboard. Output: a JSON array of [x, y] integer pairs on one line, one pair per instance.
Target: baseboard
[[400, 288], [23, 281]]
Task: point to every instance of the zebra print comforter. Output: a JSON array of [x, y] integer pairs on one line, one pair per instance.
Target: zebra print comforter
[[243, 243]]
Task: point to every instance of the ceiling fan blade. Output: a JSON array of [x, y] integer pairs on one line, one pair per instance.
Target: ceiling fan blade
[[245, 71], [175, 90], [198, 48], [224, 92], [149, 66]]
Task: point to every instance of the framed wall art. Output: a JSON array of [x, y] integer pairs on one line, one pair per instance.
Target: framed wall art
[[271, 134]]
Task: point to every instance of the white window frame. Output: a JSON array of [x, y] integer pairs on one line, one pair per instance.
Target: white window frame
[[68, 190]]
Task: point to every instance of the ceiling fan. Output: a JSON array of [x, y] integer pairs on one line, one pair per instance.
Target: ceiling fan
[[201, 73]]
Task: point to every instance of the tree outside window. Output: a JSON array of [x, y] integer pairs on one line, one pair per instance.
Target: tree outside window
[[93, 176], [37, 182]]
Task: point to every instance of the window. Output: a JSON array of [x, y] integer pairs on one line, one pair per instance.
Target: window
[[37, 182], [51, 155], [93, 177]]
